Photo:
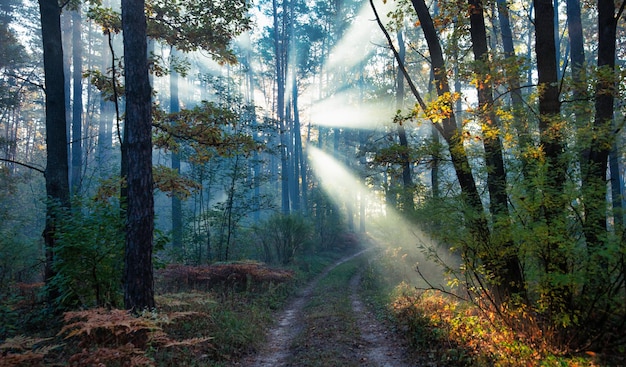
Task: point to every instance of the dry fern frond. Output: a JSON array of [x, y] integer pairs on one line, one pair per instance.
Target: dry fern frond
[[127, 355], [23, 351], [29, 358], [21, 343], [101, 318], [187, 342], [108, 327]]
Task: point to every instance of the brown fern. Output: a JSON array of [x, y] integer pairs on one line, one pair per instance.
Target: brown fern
[[101, 327], [24, 351], [126, 356]]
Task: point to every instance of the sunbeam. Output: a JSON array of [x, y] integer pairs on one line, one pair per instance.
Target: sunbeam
[[358, 42], [344, 110], [387, 228]]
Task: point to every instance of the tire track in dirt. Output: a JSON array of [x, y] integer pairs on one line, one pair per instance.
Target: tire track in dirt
[[276, 351], [382, 348]]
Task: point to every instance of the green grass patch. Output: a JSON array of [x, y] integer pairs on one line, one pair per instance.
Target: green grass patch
[[330, 335]]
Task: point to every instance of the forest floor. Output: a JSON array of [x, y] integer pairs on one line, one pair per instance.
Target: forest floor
[[329, 324]]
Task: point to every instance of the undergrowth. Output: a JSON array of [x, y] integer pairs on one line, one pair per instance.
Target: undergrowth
[[205, 316], [453, 332]]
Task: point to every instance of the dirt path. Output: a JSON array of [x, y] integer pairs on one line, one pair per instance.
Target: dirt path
[[374, 347], [382, 347]]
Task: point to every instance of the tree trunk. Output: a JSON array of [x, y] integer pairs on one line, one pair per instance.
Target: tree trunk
[[177, 211], [280, 52], [501, 257], [448, 128], [57, 181], [77, 102], [551, 139], [138, 272], [407, 192], [594, 178]]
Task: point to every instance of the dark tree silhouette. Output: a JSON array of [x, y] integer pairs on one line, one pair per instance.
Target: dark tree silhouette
[[138, 274], [57, 181]]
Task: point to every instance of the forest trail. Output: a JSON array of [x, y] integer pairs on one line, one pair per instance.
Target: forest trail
[[354, 338]]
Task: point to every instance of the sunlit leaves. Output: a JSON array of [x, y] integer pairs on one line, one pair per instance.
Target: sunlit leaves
[[109, 20], [206, 25], [109, 87], [208, 129], [442, 108], [189, 26]]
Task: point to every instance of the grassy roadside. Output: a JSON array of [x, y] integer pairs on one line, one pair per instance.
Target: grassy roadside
[[445, 331], [192, 326]]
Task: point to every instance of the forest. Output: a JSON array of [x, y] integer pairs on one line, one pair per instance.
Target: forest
[[152, 148]]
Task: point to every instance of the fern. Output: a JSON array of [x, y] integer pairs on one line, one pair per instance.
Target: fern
[[24, 351], [102, 327]]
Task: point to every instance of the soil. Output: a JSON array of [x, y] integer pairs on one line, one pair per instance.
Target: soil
[[369, 342]]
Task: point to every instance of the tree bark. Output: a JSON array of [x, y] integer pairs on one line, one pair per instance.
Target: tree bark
[[138, 272], [57, 170], [177, 211], [77, 102], [407, 192], [551, 139], [280, 51], [594, 178], [501, 257], [448, 128]]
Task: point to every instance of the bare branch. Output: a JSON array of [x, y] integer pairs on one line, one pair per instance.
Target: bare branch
[[24, 165]]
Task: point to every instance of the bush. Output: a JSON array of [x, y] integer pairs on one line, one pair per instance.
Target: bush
[[89, 256], [282, 236]]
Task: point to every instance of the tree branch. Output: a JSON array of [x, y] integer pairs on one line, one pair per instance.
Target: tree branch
[[42, 171], [620, 11], [27, 80], [414, 90]]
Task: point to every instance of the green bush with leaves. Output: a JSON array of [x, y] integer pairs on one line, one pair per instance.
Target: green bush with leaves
[[282, 236], [89, 257]]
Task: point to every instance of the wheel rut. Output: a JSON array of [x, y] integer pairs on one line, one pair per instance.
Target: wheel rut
[[376, 346]]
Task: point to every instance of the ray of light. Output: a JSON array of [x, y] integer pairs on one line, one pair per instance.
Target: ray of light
[[387, 228], [341, 110], [358, 41]]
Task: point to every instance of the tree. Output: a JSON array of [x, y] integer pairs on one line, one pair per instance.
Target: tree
[[77, 102], [502, 260], [138, 272], [57, 170], [552, 166], [177, 212]]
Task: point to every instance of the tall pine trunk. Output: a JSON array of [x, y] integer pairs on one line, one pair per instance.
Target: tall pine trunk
[[138, 272], [448, 129], [407, 191], [77, 102], [57, 170], [177, 211], [553, 165]]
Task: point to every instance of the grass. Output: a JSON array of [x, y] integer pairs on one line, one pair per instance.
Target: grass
[[330, 335], [455, 333], [192, 326]]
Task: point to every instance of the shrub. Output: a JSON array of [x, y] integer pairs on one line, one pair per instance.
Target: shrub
[[282, 236], [89, 256]]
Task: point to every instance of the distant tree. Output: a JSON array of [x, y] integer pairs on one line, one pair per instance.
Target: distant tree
[[177, 212], [138, 272], [77, 101]]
